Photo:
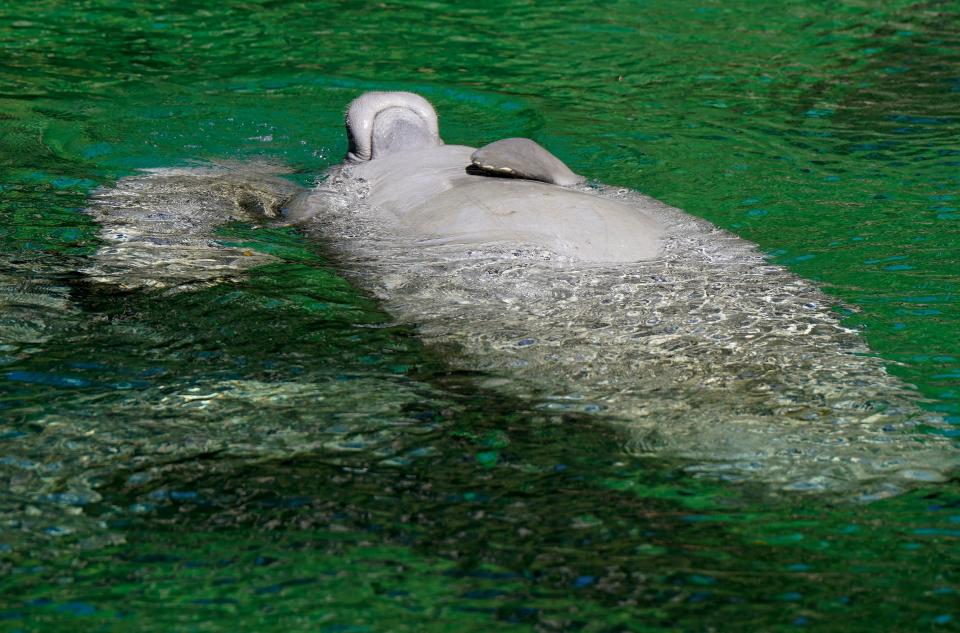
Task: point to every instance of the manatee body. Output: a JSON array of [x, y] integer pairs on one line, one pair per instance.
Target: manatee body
[[571, 298]]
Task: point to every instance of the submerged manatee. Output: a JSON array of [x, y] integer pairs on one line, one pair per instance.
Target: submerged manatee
[[572, 295]]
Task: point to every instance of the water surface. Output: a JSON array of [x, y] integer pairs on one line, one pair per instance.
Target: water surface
[[277, 453]]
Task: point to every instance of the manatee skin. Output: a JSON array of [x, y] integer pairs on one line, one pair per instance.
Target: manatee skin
[[524, 158], [429, 194]]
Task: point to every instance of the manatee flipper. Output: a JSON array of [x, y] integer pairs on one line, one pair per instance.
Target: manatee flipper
[[160, 227], [523, 158]]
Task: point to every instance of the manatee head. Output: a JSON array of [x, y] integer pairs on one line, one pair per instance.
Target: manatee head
[[384, 123]]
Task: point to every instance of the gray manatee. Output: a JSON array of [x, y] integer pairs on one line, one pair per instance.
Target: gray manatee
[[446, 194], [568, 295]]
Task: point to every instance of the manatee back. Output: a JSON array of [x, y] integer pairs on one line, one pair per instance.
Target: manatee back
[[568, 222]]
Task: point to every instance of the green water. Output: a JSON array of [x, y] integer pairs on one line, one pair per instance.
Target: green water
[[339, 477]]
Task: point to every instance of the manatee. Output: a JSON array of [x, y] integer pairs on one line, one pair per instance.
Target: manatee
[[569, 295], [523, 158]]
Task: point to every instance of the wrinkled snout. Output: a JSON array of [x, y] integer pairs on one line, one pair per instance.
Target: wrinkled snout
[[384, 123]]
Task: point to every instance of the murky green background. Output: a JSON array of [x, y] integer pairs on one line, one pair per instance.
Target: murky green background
[[827, 132]]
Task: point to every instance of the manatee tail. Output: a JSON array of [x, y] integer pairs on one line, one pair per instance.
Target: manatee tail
[[160, 226]]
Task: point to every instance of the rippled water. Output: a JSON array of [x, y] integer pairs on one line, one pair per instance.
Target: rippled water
[[278, 450]]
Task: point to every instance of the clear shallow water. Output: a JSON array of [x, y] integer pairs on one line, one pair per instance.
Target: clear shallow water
[[339, 474]]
